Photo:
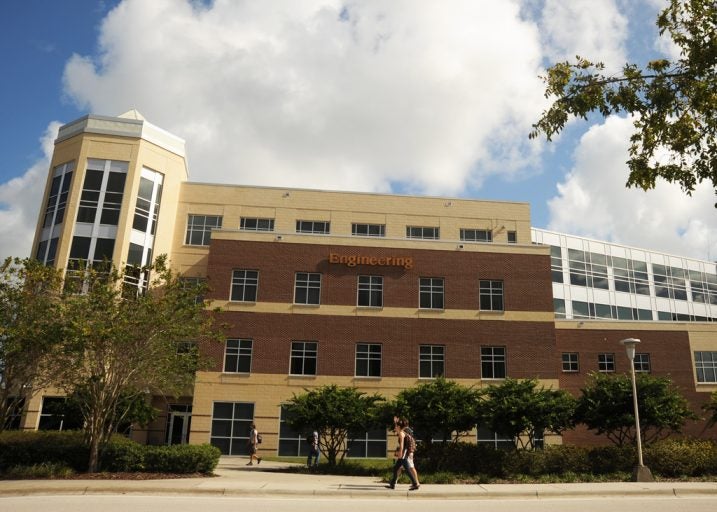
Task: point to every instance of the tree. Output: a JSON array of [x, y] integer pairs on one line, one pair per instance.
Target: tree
[[120, 345], [606, 406], [711, 408], [519, 410], [29, 331], [440, 407], [674, 103], [333, 412]]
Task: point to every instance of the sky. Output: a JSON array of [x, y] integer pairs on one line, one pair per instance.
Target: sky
[[433, 98]]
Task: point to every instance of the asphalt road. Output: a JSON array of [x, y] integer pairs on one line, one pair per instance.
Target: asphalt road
[[120, 503]]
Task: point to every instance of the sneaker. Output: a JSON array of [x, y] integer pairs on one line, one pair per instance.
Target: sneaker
[[258, 461], [390, 487], [250, 464], [414, 487]]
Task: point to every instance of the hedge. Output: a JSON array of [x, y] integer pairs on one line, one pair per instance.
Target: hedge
[[120, 454]]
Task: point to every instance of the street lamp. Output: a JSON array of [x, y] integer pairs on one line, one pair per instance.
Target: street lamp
[[641, 473]]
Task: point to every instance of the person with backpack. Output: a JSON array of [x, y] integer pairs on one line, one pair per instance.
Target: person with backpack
[[254, 439], [406, 447], [313, 441]]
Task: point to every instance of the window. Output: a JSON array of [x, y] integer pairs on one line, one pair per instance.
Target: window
[[370, 291], [237, 356], [424, 233], [291, 442], [230, 427], [315, 227], [476, 235], [245, 284], [570, 362], [378, 230], [642, 363], [56, 415], [493, 439], [492, 362], [368, 360], [199, 229], [254, 224], [57, 199], [559, 308], [303, 357], [706, 366], [13, 420], [512, 237], [194, 283], [606, 363], [431, 361], [371, 444], [149, 197], [491, 295], [308, 288], [431, 293], [556, 264]]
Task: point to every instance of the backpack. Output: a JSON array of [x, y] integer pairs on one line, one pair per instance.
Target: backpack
[[409, 442], [258, 439]]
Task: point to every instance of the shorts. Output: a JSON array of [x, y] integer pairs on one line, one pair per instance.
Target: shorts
[[409, 461], [252, 449]]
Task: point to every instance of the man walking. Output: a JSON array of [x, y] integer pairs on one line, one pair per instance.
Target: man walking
[[313, 441], [252, 442], [406, 447]]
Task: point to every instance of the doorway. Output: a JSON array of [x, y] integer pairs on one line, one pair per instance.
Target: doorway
[[179, 419]]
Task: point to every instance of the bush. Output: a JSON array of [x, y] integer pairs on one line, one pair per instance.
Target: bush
[[18, 448], [465, 458], [68, 449], [122, 455], [611, 459], [682, 457], [44, 470], [181, 458]]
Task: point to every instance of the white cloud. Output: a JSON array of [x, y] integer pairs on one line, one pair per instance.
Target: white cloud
[[426, 97], [593, 201], [20, 200], [595, 30]]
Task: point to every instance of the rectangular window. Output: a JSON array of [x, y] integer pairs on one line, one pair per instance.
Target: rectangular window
[[431, 293], [370, 291], [55, 415], [237, 356], [606, 363], [642, 363], [59, 190], [706, 366], [377, 230], [491, 295], [431, 361], [492, 362], [371, 444], [303, 357], [307, 288], [498, 441], [476, 235], [199, 229], [231, 422], [255, 224], [559, 307], [315, 227], [149, 197], [570, 362], [512, 237], [422, 232], [368, 360], [291, 442], [13, 420], [245, 284]]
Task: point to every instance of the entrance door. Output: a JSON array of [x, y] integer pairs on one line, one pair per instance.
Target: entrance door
[[178, 423]]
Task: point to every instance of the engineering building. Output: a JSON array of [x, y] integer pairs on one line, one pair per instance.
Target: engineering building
[[375, 291]]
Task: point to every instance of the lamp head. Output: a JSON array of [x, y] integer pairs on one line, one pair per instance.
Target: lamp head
[[630, 344]]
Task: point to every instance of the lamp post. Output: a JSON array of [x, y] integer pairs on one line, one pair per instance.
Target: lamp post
[[641, 473]]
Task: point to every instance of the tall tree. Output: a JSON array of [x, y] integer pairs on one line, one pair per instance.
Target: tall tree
[[674, 103], [334, 412], [519, 410], [439, 409], [119, 345], [29, 331], [606, 406]]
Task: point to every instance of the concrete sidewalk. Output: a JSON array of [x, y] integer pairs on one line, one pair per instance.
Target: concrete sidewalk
[[234, 478]]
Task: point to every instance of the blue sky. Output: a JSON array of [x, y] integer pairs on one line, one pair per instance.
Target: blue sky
[[369, 96]]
